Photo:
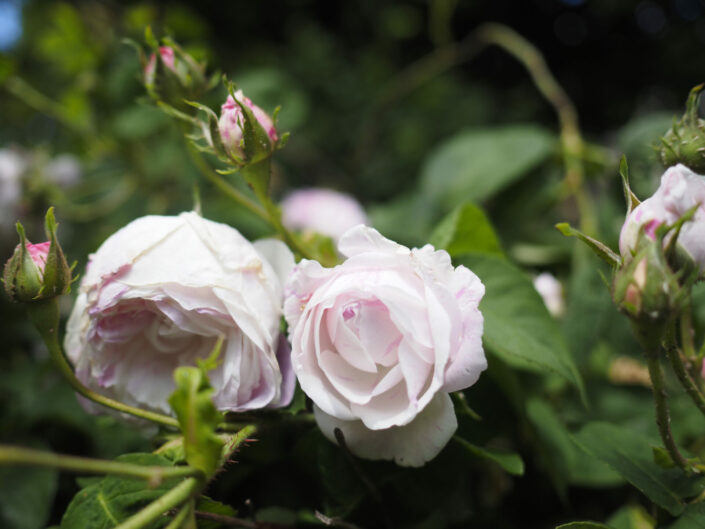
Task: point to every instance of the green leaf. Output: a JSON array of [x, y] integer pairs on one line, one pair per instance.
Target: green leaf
[[629, 453], [583, 525], [565, 462], [467, 229], [518, 327], [476, 164], [26, 496], [105, 504], [206, 504], [693, 517], [509, 461], [198, 417], [603, 251]]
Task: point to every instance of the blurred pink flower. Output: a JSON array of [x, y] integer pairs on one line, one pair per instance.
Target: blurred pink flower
[[322, 210]]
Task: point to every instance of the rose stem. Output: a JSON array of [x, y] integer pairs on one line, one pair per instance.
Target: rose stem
[[674, 355], [663, 418], [15, 455], [45, 316], [184, 491]]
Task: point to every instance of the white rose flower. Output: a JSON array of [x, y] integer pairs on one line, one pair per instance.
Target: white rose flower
[[551, 291], [379, 341], [157, 295]]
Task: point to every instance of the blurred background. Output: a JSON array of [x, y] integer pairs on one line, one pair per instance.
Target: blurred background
[[392, 102]]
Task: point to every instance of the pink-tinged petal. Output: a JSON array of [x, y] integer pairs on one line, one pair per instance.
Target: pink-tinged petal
[[411, 445], [38, 253], [363, 239], [287, 372], [391, 408], [167, 55]]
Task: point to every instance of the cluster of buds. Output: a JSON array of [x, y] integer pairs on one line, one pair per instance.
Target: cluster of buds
[[37, 271], [684, 142]]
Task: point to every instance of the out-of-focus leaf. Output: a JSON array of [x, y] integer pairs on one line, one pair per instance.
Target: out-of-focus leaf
[[509, 461], [105, 504], [518, 327], [407, 219], [476, 164], [567, 463], [26, 496], [206, 504], [467, 229], [629, 453], [693, 517], [631, 517]]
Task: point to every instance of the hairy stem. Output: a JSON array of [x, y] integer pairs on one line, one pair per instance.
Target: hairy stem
[[663, 417], [691, 388], [45, 316], [180, 494], [181, 520], [220, 182], [15, 455]]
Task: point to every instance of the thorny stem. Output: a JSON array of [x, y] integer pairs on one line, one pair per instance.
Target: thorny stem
[[663, 418], [691, 388], [184, 491], [15, 455], [45, 316]]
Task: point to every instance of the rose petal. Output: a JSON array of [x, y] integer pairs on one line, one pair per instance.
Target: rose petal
[[411, 445]]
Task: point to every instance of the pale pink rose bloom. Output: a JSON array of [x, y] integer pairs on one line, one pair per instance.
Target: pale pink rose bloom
[[551, 292], [231, 123], [379, 342], [680, 190], [322, 210], [157, 295]]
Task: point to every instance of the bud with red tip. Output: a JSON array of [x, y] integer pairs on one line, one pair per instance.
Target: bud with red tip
[[37, 271]]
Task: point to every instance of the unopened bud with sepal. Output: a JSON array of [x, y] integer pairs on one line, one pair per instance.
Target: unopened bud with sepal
[[37, 271], [685, 141]]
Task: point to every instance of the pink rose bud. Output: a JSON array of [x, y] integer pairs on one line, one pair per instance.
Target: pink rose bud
[[231, 123], [167, 55], [37, 271], [551, 292], [150, 70], [159, 293], [380, 341], [323, 211], [681, 189]]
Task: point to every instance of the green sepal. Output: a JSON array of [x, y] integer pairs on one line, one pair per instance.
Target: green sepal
[[630, 198], [256, 143], [21, 277], [57, 272], [600, 248]]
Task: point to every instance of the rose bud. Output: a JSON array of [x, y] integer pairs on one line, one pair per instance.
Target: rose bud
[[645, 288], [680, 191], [233, 121], [685, 141], [37, 271], [160, 292], [322, 211], [379, 341]]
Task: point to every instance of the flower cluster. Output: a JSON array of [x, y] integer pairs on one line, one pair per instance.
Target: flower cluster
[[378, 341]]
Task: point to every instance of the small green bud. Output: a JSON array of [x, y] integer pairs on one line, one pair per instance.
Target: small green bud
[[37, 271], [684, 142]]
